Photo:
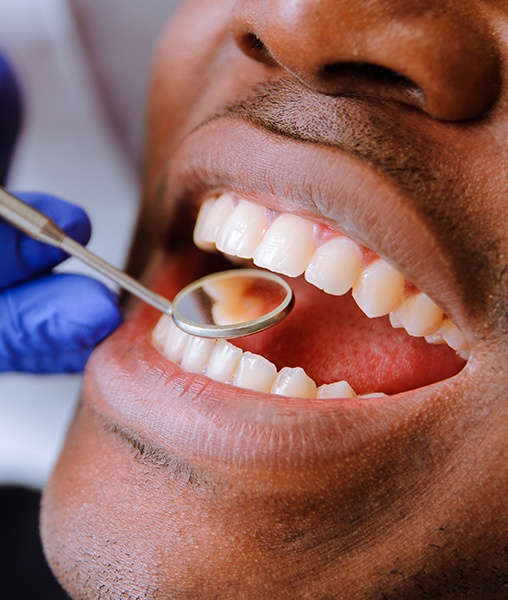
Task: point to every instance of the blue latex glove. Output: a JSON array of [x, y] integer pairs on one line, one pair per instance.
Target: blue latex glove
[[49, 323]]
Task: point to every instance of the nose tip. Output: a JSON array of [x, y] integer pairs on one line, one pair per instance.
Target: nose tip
[[425, 53]]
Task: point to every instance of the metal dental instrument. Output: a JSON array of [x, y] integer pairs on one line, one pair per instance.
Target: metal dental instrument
[[229, 304]]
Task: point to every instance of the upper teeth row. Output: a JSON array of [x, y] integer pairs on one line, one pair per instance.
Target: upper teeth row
[[290, 245]]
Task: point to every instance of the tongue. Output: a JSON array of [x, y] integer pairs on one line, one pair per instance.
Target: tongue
[[333, 340]]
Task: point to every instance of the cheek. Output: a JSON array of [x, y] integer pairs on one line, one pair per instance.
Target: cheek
[[91, 534], [182, 72]]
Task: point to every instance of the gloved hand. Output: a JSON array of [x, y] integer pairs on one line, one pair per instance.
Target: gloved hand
[[49, 323]]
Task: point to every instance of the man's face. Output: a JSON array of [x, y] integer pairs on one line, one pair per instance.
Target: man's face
[[362, 144]]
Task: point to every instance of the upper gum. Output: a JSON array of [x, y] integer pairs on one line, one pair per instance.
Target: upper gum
[[322, 232]]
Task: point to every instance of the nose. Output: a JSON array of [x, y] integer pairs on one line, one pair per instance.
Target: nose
[[437, 55]]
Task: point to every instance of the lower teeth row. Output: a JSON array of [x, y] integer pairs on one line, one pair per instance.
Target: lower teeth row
[[223, 362]]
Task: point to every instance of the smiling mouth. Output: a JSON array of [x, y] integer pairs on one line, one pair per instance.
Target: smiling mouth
[[359, 327]]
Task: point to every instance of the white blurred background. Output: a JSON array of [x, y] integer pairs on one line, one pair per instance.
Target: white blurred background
[[83, 67]]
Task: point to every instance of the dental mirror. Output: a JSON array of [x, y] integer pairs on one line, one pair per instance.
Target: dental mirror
[[232, 303], [228, 304]]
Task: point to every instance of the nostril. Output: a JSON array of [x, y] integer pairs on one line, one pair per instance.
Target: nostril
[[252, 46], [369, 77], [366, 71]]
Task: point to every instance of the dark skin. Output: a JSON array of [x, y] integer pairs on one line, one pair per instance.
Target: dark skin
[[395, 114]]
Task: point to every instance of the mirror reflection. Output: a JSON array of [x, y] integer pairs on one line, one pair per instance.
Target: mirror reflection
[[230, 299]]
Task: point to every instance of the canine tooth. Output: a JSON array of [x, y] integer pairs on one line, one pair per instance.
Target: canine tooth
[[287, 246], [339, 389], [255, 373], [335, 266], [242, 231], [294, 382], [223, 361], [419, 315], [196, 353], [379, 289], [211, 217], [453, 336]]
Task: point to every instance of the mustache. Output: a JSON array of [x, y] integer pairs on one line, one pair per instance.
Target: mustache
[[363, 126]]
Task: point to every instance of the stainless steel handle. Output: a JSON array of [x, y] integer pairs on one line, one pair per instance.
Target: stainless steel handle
[[42, 228]]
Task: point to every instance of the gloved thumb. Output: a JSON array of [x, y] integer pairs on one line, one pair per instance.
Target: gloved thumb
[[51, 324]]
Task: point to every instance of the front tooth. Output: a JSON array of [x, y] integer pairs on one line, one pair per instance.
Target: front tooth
[[379, 289], [223, 361], [254, 373], [196, 353], [161, 330], [335, 266], [294, 382], [212, 215], [419, 315], [170, 339], [339, 389], [287, 247], [243, 230]]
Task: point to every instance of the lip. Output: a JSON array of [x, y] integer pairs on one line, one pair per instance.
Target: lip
[[206, 423]]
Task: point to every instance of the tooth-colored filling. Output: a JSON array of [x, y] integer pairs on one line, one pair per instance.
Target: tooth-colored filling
[[290, 245]]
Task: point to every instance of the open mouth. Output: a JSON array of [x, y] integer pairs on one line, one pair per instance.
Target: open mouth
[[359, 327]]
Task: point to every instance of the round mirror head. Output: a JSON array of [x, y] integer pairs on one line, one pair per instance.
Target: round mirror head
[[232, 303]]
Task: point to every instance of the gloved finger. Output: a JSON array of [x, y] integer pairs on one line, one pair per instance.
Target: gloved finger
[[21, 256], [52, 324], [11, 112]]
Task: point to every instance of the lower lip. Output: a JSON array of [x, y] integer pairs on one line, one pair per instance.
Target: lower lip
[[205, 422]]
